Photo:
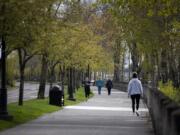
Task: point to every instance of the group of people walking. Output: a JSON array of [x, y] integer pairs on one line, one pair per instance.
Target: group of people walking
[[135, 90], [99, 83]]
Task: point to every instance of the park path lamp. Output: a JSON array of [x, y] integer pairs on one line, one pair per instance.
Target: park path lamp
[[3, 90]]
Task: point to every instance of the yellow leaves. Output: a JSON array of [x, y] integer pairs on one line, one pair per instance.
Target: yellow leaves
[[150, 13], [86, 49], [76, 46], [72, 42], [170, 91]]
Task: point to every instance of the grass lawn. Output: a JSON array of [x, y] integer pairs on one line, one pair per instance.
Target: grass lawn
[[33, 109]]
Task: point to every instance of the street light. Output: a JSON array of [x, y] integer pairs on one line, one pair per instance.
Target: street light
[[3, 90]]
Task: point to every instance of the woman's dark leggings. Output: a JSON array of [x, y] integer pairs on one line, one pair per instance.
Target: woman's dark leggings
[[135, 98]]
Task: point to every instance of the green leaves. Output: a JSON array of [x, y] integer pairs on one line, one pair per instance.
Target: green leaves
[[153, 26]]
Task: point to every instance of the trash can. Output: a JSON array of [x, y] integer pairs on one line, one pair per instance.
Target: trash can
[[56, 96]]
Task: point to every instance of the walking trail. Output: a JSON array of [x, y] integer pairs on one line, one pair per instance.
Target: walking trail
[[100, 115]]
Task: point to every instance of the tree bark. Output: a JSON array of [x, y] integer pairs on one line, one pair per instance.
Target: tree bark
[[134, 58], [21, 71], [52, 73], [70, 84], [23, 59], [62, 77], [88, 71], [173, 67], [117, 55], [74, 80], [51, 78], [164, 67], [122, 67], [116, 77], [95, 75], [78, 79], [21, 88], [43, 76], [179, 72]]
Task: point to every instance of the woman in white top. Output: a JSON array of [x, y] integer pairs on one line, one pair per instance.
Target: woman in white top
[[135, 91]]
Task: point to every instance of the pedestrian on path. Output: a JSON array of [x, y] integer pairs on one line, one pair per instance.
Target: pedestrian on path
[[109, 86], [87, 84], [135, 91], [99, 84]]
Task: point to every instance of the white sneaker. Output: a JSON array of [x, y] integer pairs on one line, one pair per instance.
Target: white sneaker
[[137, 113]]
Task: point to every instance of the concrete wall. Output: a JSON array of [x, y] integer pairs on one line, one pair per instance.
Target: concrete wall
[[165, 113]]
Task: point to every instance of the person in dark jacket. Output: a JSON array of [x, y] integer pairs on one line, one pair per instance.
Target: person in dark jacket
[[87, 84], [109, 86]]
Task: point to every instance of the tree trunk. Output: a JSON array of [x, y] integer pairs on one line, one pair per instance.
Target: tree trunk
[[153, 71], [43, 76], [95, 75], [70, 84], [23, 59], [122, 68], [116, 77], [74, 80], [21, 88], [21, 71], [3, 89], [173, 66], [83, 76], [78, 79], [88, 71], [117, 50], [52, 77], [164, 67], [134, 58], [179, 72], [129, 68], [52, 74], [158, 67], [59, 74], [62, 77]]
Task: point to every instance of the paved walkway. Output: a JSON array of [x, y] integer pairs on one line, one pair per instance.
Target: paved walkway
[[100, 115]]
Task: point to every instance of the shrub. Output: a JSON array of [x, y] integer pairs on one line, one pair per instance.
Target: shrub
[[170, 91]]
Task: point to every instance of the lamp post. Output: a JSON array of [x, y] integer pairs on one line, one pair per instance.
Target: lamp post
[[3, 90]]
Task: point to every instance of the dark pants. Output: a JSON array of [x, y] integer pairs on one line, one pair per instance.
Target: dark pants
[[135, 99], [87, 91], [109, 90], [99, 90]]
